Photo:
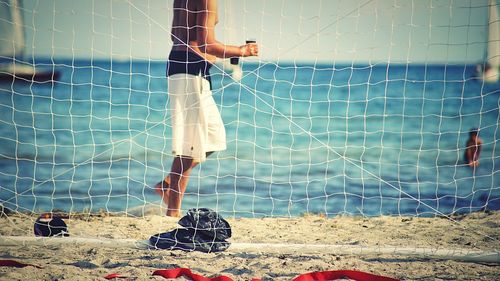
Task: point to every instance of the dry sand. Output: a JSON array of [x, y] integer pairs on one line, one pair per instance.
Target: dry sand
[[477, 231]]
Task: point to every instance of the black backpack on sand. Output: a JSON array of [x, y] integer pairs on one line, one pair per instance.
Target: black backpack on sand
[[204, 230]]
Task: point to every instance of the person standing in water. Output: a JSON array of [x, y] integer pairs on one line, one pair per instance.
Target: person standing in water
[[473, 148]]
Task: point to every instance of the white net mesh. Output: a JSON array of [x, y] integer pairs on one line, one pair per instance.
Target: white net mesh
[[358, 107]]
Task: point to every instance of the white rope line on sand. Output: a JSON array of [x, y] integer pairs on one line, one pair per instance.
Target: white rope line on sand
[[263, 248]]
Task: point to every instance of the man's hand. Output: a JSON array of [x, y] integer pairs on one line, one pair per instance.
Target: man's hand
[[249, 50]]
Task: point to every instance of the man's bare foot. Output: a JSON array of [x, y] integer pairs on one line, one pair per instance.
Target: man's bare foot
[[473, 164], [174, 213], [162, 188]]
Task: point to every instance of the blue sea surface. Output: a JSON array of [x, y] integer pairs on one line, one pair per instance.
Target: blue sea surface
[[378, 139]]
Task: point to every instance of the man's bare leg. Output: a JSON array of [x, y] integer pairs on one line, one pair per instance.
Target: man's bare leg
[[179, 178], [163, 187]]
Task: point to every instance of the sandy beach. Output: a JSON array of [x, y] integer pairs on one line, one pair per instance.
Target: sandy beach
[[81, 261]]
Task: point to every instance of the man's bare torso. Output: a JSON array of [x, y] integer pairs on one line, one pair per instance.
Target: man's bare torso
[[185, 26]]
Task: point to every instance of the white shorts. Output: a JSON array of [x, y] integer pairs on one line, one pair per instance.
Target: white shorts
[[197, 126]]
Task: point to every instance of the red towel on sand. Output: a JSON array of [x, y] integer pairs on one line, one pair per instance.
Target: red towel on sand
[[312, 276], [186, 272], [338, 274]]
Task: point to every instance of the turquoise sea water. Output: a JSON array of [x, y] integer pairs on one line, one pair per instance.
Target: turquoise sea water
[[358, 139]]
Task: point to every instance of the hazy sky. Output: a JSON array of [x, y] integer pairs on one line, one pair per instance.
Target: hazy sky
[[329, 30]]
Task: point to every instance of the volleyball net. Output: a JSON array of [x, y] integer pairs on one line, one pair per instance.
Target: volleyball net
[[359, 107]]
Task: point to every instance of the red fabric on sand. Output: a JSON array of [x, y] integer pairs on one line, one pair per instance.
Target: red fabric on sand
[[311, 276]]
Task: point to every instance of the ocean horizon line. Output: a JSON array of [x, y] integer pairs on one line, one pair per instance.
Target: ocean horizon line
[[300, 62]]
